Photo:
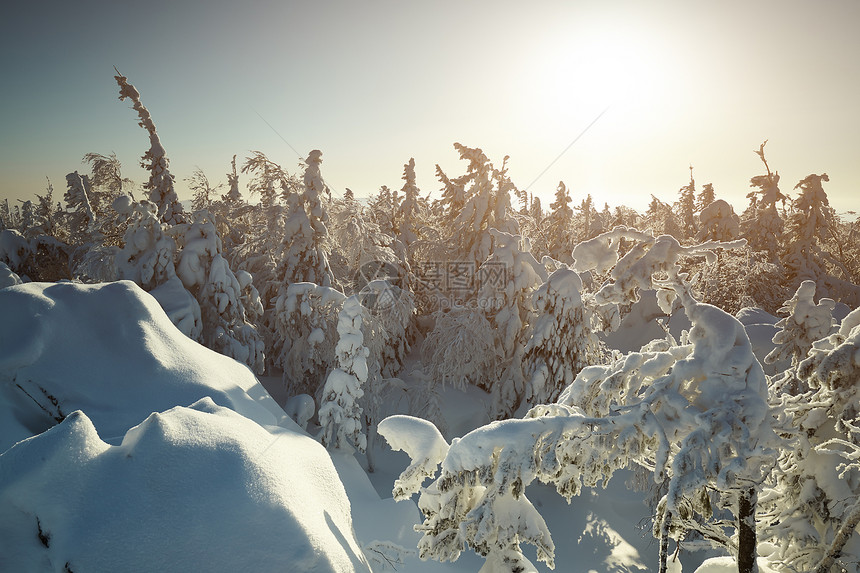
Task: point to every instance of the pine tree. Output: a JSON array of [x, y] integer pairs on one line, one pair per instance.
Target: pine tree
[[340, 413], [409, 211], [563, 341], [83, 220], [161, 181], [558, 225], [686, 206], [807, 228], [762, 225]]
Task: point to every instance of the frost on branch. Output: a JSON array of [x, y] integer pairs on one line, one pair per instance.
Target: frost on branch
[[340, 413], [648, 264]]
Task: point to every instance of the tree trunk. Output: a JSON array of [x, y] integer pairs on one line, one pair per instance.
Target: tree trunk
[[746, 532], [846, 530], [664, 541], [371, 442]]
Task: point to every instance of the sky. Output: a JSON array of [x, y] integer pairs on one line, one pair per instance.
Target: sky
[[616, 99]]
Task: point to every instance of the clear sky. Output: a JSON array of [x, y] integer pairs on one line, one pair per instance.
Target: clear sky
[[375, 82]]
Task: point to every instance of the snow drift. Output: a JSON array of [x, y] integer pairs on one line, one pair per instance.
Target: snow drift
[[113, 471], [111, 351]]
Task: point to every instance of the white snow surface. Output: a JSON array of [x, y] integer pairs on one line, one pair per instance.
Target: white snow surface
[[140, 450], [110, 351], [197, 488]]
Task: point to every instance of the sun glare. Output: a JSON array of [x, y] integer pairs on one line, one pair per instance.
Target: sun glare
[[586, 73]]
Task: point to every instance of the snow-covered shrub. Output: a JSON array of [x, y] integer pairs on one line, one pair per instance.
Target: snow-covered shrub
[[340, 413], [8, 276], [15, 249], [147, 258], [718, 222], [38, 258], [740, 278]]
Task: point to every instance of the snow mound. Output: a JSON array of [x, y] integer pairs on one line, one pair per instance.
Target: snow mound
[[197, 488], [112, 352]]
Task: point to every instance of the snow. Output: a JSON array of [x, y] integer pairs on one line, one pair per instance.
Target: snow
[[7, 276], [129, 447], [189, 489]]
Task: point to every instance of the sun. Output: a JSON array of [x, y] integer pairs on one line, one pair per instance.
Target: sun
[[587, 72]]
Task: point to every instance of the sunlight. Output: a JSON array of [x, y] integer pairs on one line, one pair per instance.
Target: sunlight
[[586, 73]]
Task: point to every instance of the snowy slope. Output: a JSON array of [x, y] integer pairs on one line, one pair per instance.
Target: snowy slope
[[150, 452]]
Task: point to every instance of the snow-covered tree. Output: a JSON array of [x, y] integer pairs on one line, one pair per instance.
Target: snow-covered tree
[[718, 222], [306, 318], [813, 494], [686, 206], [557, 225], [660, 219], [486, 202], [705, 197], [82, 220], [48, 217], [410, 209], [208, 276], [508, 279], [107, 182], [807, 321], [701, 427], [563, 341], [340, 413], [762, 225], [148, 255], [203, 192], [460, 349], [302, 257], [161, 181]]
